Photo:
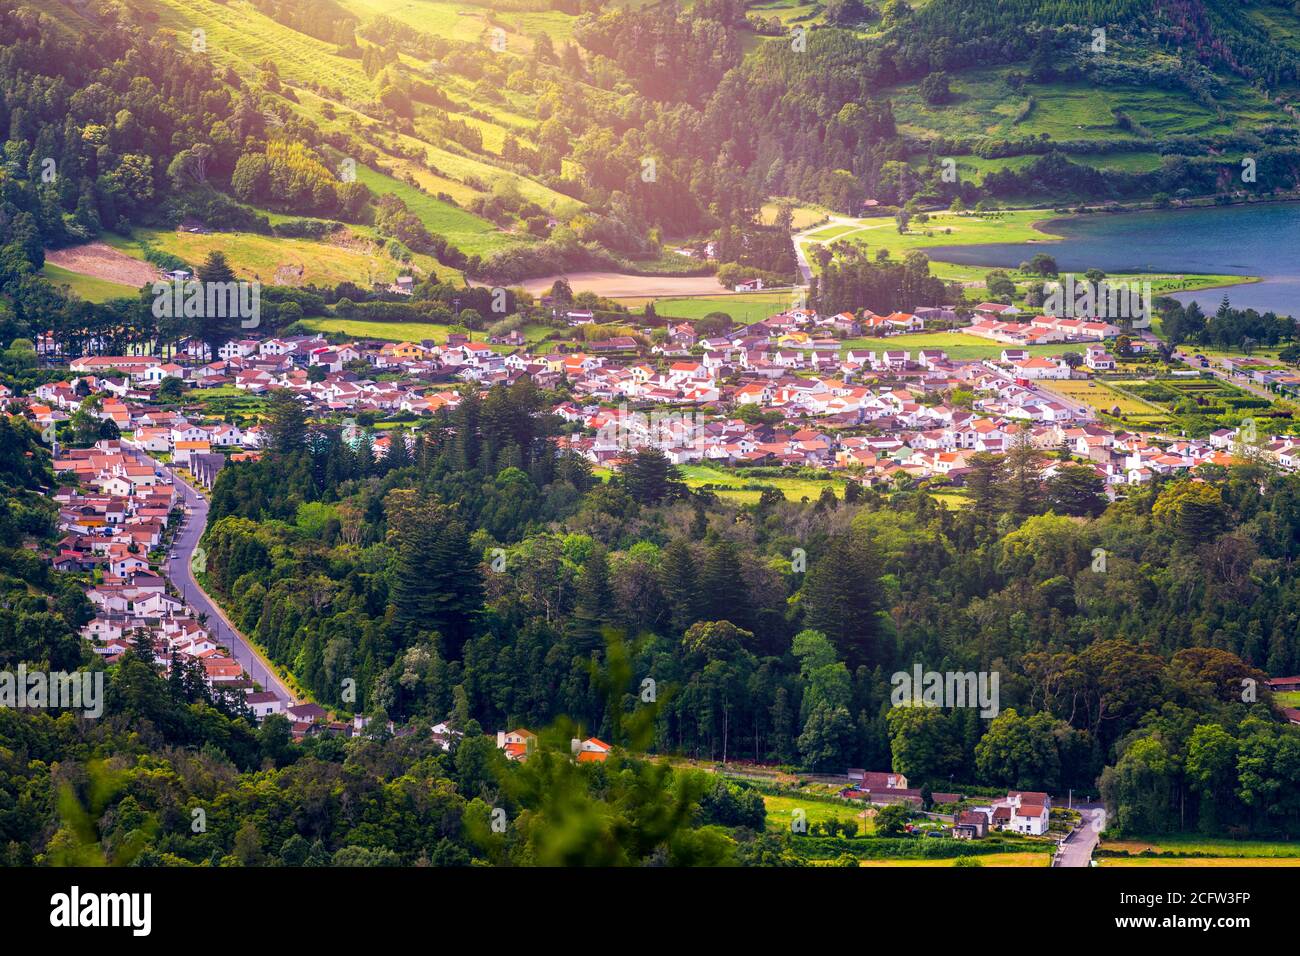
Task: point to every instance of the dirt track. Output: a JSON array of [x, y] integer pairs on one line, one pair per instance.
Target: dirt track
[[102, 261]]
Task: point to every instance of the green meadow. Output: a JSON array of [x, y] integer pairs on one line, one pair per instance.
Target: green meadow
[[88, 287]]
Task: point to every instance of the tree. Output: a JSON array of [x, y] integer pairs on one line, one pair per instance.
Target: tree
[[1023, 486], [723, 592], [892, 820], [211, 327], [436, 584], [827, 738], [248, 845], [1020, 752], [934, 88], [999, 285], [171, 389], [650, 477], [677, 579], [286, 423], [842, 598], [1076, 490], [1193, 510], [923, 743], [593, 599]]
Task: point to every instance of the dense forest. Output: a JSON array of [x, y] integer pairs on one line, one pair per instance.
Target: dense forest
[[172, 776]]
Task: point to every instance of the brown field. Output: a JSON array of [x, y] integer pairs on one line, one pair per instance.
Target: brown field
[[103, 262]]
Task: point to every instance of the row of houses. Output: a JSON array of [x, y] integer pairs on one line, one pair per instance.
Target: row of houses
[[1020, 811], [115, 515]]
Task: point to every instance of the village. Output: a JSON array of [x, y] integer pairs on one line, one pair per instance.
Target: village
[[780, 392], [869, 415]]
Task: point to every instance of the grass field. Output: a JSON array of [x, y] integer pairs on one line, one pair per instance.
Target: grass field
[[88, 287], [952, 500], [958, 345], [1101, 397], [739, 487], [983, 105], [744, 307], [1027, 226], [802, 215], [780, 812], [1238, 852], [1202, 861], [831, 232], [986, 859], [389, 331], [469, 233], [950, 229]]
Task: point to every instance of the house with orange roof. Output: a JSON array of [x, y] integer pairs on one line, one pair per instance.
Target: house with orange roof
[[517, 744], [591, 750]]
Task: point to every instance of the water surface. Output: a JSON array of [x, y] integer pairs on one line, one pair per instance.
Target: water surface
[[1258, 240]]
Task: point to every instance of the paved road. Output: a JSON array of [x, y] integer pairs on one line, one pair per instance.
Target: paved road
[[1043, 392], [1240, 381], [1077, 850], [801, 256], [181, 574]]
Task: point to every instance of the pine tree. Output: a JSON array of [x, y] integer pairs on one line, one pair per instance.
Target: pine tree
[[1024, 485], [841, 598], [286, 423], [678, 580], [984, 484], [650, 478], [722, 587], [592, 600]]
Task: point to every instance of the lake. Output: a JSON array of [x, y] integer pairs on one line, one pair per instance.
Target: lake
[[1260, 240]]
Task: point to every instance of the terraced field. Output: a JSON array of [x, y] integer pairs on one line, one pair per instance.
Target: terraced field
[[329, 87], [983, 105], [237, 35], [469, 233], [278, 261]]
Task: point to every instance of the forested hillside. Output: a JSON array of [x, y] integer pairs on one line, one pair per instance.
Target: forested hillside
[[515, 142]]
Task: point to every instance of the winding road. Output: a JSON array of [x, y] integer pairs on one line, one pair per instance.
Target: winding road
[[180, 571]]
